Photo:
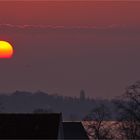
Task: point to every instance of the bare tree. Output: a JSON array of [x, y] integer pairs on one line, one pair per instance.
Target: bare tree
[[96, 123], [129, 110]]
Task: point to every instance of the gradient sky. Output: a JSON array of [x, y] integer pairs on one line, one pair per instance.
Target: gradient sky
[[63, 47]]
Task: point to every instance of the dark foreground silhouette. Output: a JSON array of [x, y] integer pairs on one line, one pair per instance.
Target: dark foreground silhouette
[[39, 126]]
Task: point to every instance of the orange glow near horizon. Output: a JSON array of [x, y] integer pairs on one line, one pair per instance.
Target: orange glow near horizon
[[6, 50]]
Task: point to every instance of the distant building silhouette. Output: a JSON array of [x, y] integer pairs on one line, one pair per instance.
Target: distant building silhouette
[[82, 95]]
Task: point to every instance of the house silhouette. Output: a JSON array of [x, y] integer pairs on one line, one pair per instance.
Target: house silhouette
[[39, 126]]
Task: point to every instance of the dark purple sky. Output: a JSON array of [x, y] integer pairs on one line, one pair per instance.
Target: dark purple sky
[[63, 47]]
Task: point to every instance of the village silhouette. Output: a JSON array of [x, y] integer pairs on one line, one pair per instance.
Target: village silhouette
[[44, 116]]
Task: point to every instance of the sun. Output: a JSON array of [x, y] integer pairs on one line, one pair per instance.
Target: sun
[[6, 49]]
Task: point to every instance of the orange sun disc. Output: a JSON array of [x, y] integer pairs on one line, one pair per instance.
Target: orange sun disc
[[6, 50]]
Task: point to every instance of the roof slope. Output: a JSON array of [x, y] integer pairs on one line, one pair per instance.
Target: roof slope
[[29, 126], [74, 130]]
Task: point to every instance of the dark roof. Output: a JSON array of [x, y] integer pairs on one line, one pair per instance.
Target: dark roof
[[29, 126], [74, 130]]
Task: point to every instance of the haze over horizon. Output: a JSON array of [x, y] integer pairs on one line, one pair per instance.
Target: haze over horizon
[[63, 47]]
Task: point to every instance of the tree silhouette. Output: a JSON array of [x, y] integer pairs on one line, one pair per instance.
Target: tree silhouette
[[129, 109], [96, 123]]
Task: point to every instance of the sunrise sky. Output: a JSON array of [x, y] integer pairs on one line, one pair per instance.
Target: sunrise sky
[[63, 47]]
